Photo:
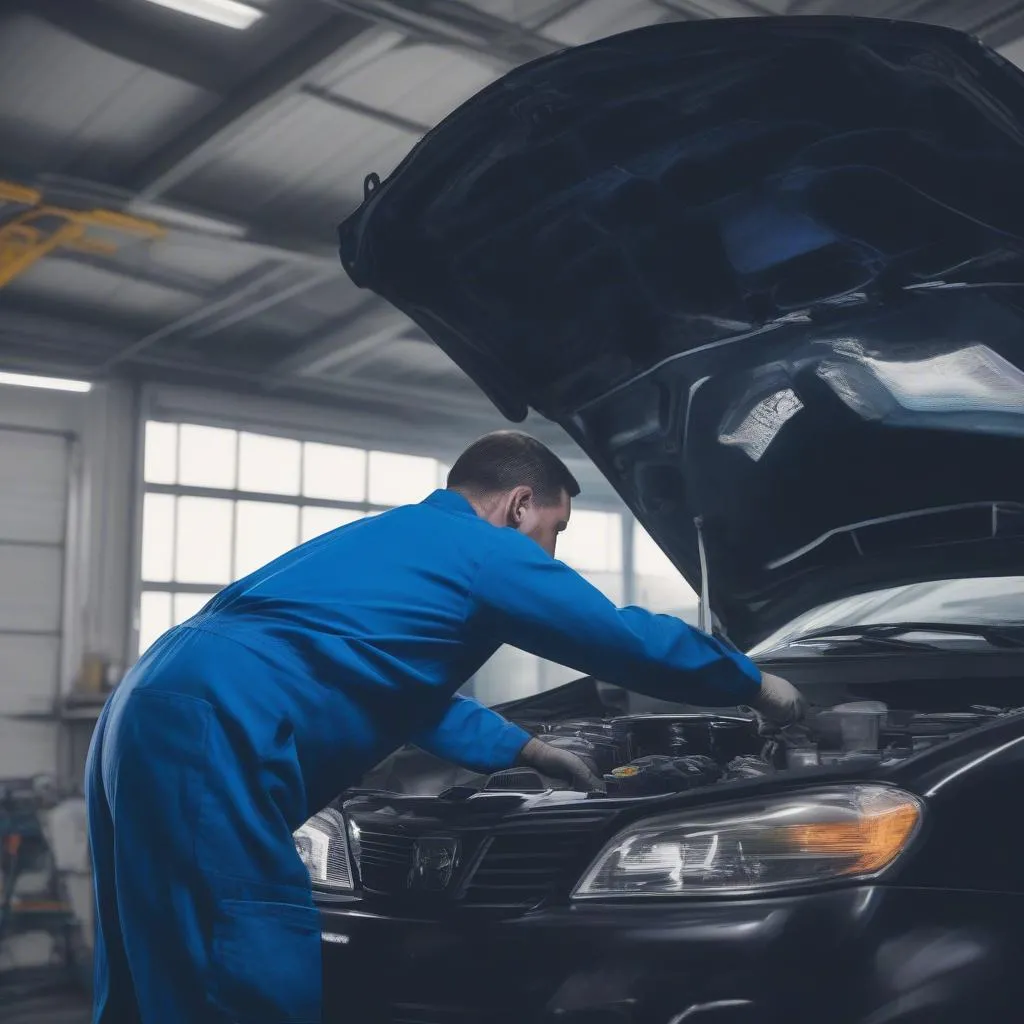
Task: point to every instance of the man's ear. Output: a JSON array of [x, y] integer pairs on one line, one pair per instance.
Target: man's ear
[[519, 499]]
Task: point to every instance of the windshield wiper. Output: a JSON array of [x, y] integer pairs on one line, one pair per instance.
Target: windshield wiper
[[893, 634]]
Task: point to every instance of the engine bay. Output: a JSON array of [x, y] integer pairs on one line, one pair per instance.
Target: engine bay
[[640, 746], [646, 755]]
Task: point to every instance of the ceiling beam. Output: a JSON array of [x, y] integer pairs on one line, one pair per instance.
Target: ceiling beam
[[19, 322], [198, 145], [135, 272], [302, 282], [110, 344], [1002, 31], [185, 57], [240, 300], [345, 341], [128, 33], [395, 400], [698, 9], [558, 10], [461, 410], [404, 124], [454, 23], [268, 240]]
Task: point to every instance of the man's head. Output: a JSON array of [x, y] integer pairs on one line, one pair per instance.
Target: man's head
[[511, 479]]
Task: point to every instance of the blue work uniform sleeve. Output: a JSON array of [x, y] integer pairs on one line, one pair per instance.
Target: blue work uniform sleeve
[[474, 736], [531, 601]]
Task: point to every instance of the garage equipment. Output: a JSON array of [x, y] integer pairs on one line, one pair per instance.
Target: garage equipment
[[32, 896], [31, 229]]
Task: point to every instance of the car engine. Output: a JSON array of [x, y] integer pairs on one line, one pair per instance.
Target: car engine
[[645, 755]]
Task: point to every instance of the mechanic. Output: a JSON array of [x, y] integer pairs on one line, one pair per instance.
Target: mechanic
[[236, 726]]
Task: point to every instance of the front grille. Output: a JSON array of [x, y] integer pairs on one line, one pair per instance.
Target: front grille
[[512, 865], [385, 860], [523, 864]]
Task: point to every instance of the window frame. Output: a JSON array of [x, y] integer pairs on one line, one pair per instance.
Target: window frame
[[300, 501]]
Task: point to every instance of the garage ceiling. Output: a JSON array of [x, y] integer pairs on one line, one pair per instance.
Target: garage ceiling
[[245, 149]]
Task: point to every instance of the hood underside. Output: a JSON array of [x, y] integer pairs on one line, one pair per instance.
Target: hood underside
[[768, 273]]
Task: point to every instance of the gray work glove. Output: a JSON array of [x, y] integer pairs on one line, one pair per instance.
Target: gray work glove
[[560, 764], [779, 703]]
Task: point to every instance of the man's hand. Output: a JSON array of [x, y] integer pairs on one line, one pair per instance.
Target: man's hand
[[779, 702], [560, 764]]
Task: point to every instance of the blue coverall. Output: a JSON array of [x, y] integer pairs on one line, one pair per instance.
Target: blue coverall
[[290, 684]]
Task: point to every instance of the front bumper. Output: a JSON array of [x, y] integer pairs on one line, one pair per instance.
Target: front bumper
[[830, 956]]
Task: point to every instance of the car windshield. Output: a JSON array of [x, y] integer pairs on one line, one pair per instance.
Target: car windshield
[[986, 602]]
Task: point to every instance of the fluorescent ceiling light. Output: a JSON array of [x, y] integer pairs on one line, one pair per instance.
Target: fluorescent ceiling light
[[171, 216], [229, 13], [24, 380]]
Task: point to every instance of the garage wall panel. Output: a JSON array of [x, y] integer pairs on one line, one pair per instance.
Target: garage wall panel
[[30, 588], [27, 748], [28, 673], [34, 488]]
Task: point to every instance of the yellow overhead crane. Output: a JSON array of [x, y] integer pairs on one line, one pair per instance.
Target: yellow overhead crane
[[35, 229]]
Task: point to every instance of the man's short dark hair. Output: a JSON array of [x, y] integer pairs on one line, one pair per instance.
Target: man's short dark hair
[[507, 459]]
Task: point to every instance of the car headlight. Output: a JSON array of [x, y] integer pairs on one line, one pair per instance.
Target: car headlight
[[786, 840], [323, 846]]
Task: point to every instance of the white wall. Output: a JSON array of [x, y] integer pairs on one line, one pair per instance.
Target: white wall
[[98, 567], [107, 569]]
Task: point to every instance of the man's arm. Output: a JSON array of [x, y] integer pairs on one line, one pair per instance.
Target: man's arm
[[540, 605], [481, 740], [474, 737]]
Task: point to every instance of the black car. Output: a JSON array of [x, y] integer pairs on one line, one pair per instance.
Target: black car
[[769, 274]]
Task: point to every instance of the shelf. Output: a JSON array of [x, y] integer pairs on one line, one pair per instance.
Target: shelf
[[32, 919], [73, 710], [81, 710]]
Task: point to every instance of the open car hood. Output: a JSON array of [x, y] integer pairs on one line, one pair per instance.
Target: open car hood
[[766, 272]]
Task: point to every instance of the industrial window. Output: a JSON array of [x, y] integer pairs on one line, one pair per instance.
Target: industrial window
[[657, 584], [220, 503], [592, 544], [596, 544]]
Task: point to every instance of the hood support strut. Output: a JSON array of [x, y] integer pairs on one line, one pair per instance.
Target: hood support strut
[[704, 609]]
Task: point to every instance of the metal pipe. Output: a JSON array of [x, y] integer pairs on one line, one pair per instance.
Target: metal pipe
[[704, 623], [195, 317]]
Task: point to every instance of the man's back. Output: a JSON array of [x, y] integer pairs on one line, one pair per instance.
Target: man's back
[[384, 598], [357, 639]]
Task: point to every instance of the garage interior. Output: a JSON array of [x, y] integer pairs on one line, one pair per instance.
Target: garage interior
[[205, 386]]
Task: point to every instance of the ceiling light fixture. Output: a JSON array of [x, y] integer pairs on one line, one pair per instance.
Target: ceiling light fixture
[[229, 13], [25, 380], [173, 217]]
